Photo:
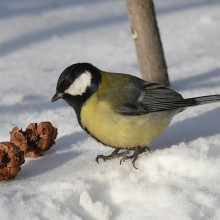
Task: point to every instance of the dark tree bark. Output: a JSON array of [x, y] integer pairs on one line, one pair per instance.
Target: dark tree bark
[[147, 41]]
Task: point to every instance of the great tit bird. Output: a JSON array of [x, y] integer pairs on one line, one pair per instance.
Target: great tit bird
[[120, 110]]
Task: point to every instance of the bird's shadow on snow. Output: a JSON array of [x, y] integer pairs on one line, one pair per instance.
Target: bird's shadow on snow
[[203, 125], [58, 155]]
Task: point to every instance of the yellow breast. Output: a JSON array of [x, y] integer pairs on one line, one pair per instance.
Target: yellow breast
[[116, 130]]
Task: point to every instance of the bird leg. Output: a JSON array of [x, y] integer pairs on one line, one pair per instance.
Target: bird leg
[[134, 156], [125, 155], [114, 154]]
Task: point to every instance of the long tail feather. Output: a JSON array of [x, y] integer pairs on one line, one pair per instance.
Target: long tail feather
[[205, 99]]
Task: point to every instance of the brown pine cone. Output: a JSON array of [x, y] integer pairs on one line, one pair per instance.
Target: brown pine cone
[[19, 138], [31, 130], [11, 159], [46, 134], [36, 139]]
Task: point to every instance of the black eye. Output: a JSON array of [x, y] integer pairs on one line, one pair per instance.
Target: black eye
[[67, 84]]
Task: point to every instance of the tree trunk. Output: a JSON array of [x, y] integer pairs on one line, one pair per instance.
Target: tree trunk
[[147, 41]]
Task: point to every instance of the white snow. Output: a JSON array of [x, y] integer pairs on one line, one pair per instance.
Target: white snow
[[178, 179]]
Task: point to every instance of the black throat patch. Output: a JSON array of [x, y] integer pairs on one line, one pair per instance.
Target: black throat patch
[[78, 101]]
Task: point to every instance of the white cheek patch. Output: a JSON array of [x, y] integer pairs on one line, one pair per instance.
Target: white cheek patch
[[80, 85]]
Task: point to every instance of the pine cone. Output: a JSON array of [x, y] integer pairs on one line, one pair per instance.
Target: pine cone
[[31, 130], [36, 139], [18, 137], [11, 159], [46, 134]]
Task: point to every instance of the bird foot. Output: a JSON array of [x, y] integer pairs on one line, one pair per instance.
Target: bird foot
[[113, 155], [134, 156], [125, 155]]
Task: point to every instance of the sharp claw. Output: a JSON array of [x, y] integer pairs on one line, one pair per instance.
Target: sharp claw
[[133, 163], [122, 160], [146, 148], [100, 157], [134, 166], [97, 160]]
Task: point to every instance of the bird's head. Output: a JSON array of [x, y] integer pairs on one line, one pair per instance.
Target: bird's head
[[78, 80]]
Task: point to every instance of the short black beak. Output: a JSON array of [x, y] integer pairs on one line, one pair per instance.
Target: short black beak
[[57, 96]]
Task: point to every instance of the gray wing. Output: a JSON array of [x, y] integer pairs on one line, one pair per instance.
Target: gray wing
[[151, 97]]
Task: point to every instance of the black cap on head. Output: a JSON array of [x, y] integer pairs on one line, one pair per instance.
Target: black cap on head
[[73, 72]]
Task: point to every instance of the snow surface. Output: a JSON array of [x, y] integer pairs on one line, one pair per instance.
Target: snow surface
[[179, 179]]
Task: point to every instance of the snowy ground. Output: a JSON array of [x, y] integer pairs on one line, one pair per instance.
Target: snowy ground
[[179, 179]]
